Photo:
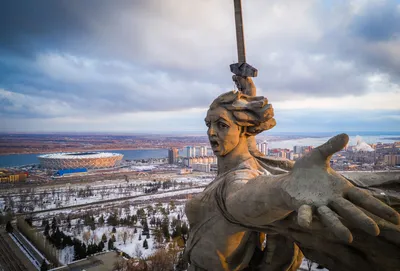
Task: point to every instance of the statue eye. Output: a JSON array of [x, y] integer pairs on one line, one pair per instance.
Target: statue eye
[[222, 125]]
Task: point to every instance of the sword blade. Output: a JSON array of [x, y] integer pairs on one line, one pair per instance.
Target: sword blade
[[239, 31]]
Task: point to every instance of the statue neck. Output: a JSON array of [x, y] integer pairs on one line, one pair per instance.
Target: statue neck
[[237, 156]]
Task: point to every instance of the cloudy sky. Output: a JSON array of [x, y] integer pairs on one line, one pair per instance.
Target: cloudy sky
[[156, 65]]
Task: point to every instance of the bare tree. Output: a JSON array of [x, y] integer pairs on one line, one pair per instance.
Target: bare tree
[[138, 251], [86, 237], [125, 237], [161, 260]]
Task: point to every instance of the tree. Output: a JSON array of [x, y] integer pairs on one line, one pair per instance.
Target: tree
[[92, 249], [184, 229], [110, 244], [172, 205], [80, 249], [44, 266], [100, 246], [54, 224], [158, 236], [145, 228], [161, 260], [46, 230], [112, 220], [124, 237], [119, 265], [182, 264], [9, 227], [104, 238], [86, 236], [165, 228], [145, 245], [101, 220], [138, 251]]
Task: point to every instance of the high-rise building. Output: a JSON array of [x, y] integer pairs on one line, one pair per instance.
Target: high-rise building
[[392, 159], [298, 149], [264, 148], [189, 151], [203, 151], [172, 155]]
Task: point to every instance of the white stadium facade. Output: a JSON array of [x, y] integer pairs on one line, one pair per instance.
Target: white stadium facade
[[71, 160]]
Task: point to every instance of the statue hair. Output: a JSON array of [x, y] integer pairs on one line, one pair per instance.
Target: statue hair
[[252, 112]]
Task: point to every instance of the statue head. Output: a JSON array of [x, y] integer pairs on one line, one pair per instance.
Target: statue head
[[233, 117]]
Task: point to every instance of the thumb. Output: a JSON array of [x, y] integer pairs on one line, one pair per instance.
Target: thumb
[[322, 154], [333, 145]]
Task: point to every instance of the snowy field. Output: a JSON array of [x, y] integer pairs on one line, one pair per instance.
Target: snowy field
[[43, 198]]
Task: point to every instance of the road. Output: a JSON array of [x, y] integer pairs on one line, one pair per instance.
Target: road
[[9, 260]]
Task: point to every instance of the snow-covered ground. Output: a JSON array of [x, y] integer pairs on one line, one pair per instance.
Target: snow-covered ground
[[42, 198], [155, 206], [305, 263]]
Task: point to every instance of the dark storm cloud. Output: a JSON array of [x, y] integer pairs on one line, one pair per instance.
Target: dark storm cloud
[[66, 58]]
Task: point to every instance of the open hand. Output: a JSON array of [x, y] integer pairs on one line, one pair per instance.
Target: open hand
[[313, 187]]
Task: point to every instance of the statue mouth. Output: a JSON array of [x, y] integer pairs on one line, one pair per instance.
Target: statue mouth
[[214, 144]]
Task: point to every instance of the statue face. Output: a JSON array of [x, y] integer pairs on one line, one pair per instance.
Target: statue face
[[223, 133]]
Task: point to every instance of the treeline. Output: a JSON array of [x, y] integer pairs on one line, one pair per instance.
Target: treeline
[[36, 237], [60, 240]]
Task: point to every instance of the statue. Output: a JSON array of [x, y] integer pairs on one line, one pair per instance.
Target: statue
[[302, 208]]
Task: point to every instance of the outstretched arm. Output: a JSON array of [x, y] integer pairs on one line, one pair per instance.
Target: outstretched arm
[[312, 187]]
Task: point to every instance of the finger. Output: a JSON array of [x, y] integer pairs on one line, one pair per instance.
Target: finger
[[320, 156], [333, 145], [389, 231], [355, 216], [373, 205], [332, 222], [304, 216]]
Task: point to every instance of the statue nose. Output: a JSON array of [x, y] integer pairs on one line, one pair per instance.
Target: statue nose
[[211, 131]]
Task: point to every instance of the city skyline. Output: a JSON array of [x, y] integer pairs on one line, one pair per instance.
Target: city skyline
[[151, 67]]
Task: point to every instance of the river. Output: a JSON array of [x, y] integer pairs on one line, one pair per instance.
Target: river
[[13, 160], [25, 159]]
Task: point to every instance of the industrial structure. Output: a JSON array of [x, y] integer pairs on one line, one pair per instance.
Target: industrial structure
[[74, 160]]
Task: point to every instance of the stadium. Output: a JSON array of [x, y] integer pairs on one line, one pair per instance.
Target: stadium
[[73, 160]]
